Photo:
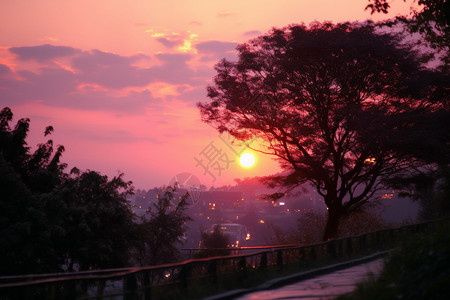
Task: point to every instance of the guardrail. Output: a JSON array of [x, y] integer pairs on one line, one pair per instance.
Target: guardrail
[[195, 277]]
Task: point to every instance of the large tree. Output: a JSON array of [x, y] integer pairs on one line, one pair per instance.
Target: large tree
[[25, 176], [52, 221], [93, 224], [311, 95], [430, 18]]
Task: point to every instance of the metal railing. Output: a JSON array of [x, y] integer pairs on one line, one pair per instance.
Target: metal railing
[[193, 277]]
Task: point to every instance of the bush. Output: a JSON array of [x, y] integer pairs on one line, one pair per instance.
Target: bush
[[418, 269]]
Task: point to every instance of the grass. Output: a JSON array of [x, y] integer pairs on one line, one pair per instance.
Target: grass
[[418, 269]]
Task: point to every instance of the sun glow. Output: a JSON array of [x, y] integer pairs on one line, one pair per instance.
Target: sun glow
[[247, 160]]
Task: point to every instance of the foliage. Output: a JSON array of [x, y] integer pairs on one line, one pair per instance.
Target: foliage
[[327, 101], [25, 178], [310, 227], [50, 220], [215, 243], [215, 239], [163, 229], [429, 141], [96, 225], [433, 193], [419, 269], [431, 20]]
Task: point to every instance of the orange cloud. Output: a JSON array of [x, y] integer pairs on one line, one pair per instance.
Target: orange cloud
[[225, 14]]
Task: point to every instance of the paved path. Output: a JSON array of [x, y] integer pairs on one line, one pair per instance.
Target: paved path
[[321, 287]]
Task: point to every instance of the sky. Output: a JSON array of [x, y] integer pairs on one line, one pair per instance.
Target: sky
[[120, 80]]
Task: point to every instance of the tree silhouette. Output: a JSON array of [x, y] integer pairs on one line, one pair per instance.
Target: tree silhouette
[[161, 231], [431, 20], [26, 243], [51, 220], [93, 225], [312, 96]]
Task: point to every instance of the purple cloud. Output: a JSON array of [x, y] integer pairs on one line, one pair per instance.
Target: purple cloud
[[114, 136], [175, 70], [99, 58], [169, 43], [108, 70], [173, 58], [252, 33], [5, 71], [215, 47], [42, 53], [92, 79]]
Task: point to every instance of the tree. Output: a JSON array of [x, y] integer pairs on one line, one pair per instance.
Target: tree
[[431, 20], [311, 96], [25, 177], [431, 187], [214, 243], [96, 227], [52, 221], [162, 230]]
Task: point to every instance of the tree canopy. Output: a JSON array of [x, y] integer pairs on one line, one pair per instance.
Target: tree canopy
[[53, 221], [163, 228], [430, 18], [313, 96]]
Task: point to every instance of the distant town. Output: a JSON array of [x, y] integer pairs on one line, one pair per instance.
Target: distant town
[[255, 220]]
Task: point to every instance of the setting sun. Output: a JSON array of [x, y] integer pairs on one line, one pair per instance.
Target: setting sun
[[247, 160]]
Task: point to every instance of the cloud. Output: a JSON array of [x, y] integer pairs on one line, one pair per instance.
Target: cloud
[[174, 58], [61, 88], [42, 53], [196, 23], [195, 95], [97, 80], [175, 70], [225, 14], [114, 136], [169, 43], [215, 47], [211, 51], [108, 70], [5, 71], [252, 33]]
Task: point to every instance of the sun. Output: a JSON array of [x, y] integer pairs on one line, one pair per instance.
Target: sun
[[247, 160]]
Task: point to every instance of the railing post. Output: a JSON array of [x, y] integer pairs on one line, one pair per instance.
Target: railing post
[[212, 270], [100, 289], [349, 246], [130, 286], [52, 291], [377, 239], [70, 290], [242, 267], [312, 253], [280, 259], [263, 263], [340, 247], [147, 286], [331, 249], [302, 256], [362, 242], [184, 275]]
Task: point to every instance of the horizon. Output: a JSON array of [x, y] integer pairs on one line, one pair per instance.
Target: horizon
[[120, 81]]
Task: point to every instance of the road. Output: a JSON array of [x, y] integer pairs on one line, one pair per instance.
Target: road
[[321, 287]]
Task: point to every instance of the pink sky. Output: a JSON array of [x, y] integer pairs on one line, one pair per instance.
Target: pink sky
[[119, 80]]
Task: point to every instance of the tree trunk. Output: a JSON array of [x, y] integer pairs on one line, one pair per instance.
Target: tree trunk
[[332, 225]]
